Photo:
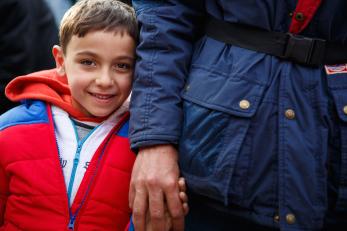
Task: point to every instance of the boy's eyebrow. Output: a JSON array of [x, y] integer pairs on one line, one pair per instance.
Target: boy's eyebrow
[[86, 53], [94, 54]]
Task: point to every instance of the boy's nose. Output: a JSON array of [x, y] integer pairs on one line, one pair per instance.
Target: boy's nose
[[104, 80]]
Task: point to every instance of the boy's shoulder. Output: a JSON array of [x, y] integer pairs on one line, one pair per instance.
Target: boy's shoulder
[[30, 112]]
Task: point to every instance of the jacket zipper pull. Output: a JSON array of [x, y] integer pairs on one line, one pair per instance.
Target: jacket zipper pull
[[72, 222]]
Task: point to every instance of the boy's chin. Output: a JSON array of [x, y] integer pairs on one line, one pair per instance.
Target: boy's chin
[[101, 114]]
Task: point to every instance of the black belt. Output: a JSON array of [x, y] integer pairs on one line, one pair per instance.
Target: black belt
[[296, 48]]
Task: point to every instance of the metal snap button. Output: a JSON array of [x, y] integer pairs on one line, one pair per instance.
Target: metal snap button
[[299, 16], [277, 218], [244, 104], [290, 114], [345, 110], [290, 218]]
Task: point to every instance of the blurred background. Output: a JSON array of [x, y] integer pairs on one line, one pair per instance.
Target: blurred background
[[28, 31]]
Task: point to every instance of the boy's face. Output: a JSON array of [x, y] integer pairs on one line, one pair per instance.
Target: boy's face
[[99, 68]]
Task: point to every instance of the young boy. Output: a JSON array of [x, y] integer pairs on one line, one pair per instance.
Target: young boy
[[65, 161]]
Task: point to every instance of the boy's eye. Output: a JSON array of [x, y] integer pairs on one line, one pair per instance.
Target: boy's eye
[[87, 62], [123, 66]]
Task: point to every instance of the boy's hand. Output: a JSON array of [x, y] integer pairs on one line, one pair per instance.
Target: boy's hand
[[154, 188], [168, 220]]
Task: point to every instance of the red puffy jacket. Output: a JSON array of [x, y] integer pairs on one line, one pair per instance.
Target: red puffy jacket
[[33, 193]]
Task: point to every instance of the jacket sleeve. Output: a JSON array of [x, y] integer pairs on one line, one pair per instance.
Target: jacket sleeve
[[167, 32], [3, 194]]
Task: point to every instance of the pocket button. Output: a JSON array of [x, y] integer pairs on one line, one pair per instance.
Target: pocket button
[[290, 114], [290, 218], [244, 104], [276, 218], [345, 110]]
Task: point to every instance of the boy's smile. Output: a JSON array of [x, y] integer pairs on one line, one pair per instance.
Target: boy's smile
[[99, 69]]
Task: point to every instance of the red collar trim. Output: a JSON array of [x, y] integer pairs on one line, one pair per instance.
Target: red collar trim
[[306, 9]]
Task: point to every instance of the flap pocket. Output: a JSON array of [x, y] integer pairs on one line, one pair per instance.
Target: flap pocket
[[217, 111], [235, 95]]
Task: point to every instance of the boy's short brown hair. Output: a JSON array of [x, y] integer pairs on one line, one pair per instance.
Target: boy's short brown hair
[[93, 15]]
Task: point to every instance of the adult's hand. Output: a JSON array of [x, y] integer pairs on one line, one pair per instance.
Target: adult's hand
[[154, 182]]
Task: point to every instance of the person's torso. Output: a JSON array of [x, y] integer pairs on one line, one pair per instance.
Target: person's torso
[[259, 131]]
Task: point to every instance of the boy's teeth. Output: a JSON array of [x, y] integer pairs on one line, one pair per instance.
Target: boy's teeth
[[101, 96]]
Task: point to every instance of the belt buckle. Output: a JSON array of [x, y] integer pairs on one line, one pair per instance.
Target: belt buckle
[[304, 50]]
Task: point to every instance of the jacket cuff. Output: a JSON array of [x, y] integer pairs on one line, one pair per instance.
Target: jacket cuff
[[135, 146]]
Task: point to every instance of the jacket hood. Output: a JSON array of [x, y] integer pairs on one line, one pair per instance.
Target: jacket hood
[[47, 86]]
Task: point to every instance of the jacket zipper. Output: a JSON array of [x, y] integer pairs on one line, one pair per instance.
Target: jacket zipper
[[72, 178], [76, 160], [73, 174], [72, 222]]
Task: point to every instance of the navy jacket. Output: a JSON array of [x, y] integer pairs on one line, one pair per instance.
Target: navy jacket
[[265, 136]]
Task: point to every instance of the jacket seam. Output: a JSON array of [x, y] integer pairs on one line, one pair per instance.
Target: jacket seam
[[23, 123], [232, 76], [140, 137], [150, 81]]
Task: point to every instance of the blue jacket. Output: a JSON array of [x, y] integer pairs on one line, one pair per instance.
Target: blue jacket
[[262, 135]]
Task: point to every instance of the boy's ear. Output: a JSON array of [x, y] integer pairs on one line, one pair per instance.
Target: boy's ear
[[59, 59]]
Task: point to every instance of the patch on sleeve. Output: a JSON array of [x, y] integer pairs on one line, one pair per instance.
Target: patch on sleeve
[[336, 69]]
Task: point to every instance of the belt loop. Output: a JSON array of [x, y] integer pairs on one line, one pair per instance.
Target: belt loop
[[304, 50]]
